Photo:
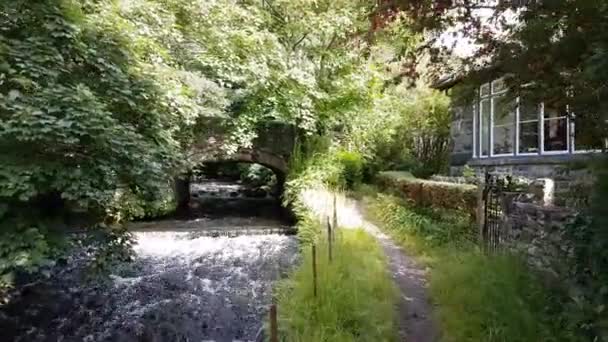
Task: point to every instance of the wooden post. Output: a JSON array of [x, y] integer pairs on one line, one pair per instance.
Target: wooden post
[[273, 324], [314, 269], [335, 220], [329, 240]]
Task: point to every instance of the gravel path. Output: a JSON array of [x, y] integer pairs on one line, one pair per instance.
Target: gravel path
[[416, 323]]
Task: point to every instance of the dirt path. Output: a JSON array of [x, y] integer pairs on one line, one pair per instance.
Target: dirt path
[[416, 323]]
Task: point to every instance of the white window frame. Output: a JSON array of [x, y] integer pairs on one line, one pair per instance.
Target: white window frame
[[568, 149], [489, 154], [518, 122], [477, 128], [475, 154], [493, 97]]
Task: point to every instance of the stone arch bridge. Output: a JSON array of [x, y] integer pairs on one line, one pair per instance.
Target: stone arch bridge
[[271, 148]]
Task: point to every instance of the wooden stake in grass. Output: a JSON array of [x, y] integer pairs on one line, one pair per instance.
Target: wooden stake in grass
[[335, 221], [329, 240], [273, 324], [314, 270]]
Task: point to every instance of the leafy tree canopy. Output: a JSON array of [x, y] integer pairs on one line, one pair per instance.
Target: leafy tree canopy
[[558, 49], [100, 100]]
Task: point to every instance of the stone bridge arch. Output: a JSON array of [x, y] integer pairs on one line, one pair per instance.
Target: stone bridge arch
[[271, 148], [275, 162]]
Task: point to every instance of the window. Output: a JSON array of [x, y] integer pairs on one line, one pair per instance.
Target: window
[[503, 127], [484, 123], [495, 124], [555, 129], [529, 114]]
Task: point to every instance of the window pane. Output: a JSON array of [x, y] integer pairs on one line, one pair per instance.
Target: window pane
[[528, 137], [498, 86], [553, 112], [504, 112], [556, 134], [476, 136], [484, 127], [485, 89], [504, 126], [528, 110], [504, 136]]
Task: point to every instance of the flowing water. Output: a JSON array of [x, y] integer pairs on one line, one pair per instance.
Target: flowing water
[[184, 284]]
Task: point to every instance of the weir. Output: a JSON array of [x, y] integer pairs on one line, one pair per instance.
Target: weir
[[205, 276]]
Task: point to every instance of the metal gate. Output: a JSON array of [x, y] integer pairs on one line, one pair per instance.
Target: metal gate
[[493, 212]]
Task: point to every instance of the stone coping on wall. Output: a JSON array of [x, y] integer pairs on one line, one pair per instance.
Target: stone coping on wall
[[407, 177], [531, 160], [558, 211]]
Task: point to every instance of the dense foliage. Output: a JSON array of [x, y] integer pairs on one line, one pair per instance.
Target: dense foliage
[[555, 51], [100, 100], [405, 128], [431, 194], [588, 265]]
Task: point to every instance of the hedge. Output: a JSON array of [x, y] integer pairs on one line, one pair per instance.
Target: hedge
[[428, 193]]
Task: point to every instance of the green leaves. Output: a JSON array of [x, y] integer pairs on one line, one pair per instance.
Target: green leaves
[[101, 100]]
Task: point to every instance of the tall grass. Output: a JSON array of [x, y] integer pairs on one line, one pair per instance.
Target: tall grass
[[356, 298], [492, 298], [479, 297]]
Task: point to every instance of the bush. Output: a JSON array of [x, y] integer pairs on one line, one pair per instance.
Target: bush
[[315, 163], [352, 168], [425, 193], [434, 227], [356, 296]]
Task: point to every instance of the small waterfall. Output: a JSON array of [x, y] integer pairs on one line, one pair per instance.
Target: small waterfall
[[182, 286]]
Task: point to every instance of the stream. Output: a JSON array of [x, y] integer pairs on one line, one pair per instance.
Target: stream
[[188, 281]]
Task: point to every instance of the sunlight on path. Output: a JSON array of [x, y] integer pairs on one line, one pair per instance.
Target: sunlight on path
[[416, 313]]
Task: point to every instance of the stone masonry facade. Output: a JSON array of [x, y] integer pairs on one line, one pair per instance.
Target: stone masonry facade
[[572, 180], [540, 234]]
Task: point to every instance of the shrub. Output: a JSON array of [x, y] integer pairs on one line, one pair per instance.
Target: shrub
[[352, 168], [468, 172], [425, 193], [434, 227]]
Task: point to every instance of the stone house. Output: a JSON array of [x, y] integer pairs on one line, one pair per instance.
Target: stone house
[[520, 138]]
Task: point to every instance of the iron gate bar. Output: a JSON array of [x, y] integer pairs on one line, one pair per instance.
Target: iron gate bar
[[493, 211]]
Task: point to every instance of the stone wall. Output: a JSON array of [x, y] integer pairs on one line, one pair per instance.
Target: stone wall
[[539, 233], [572, 181]]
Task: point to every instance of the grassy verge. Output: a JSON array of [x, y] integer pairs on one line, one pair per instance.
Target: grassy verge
[[356, 296], [479, 297]]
